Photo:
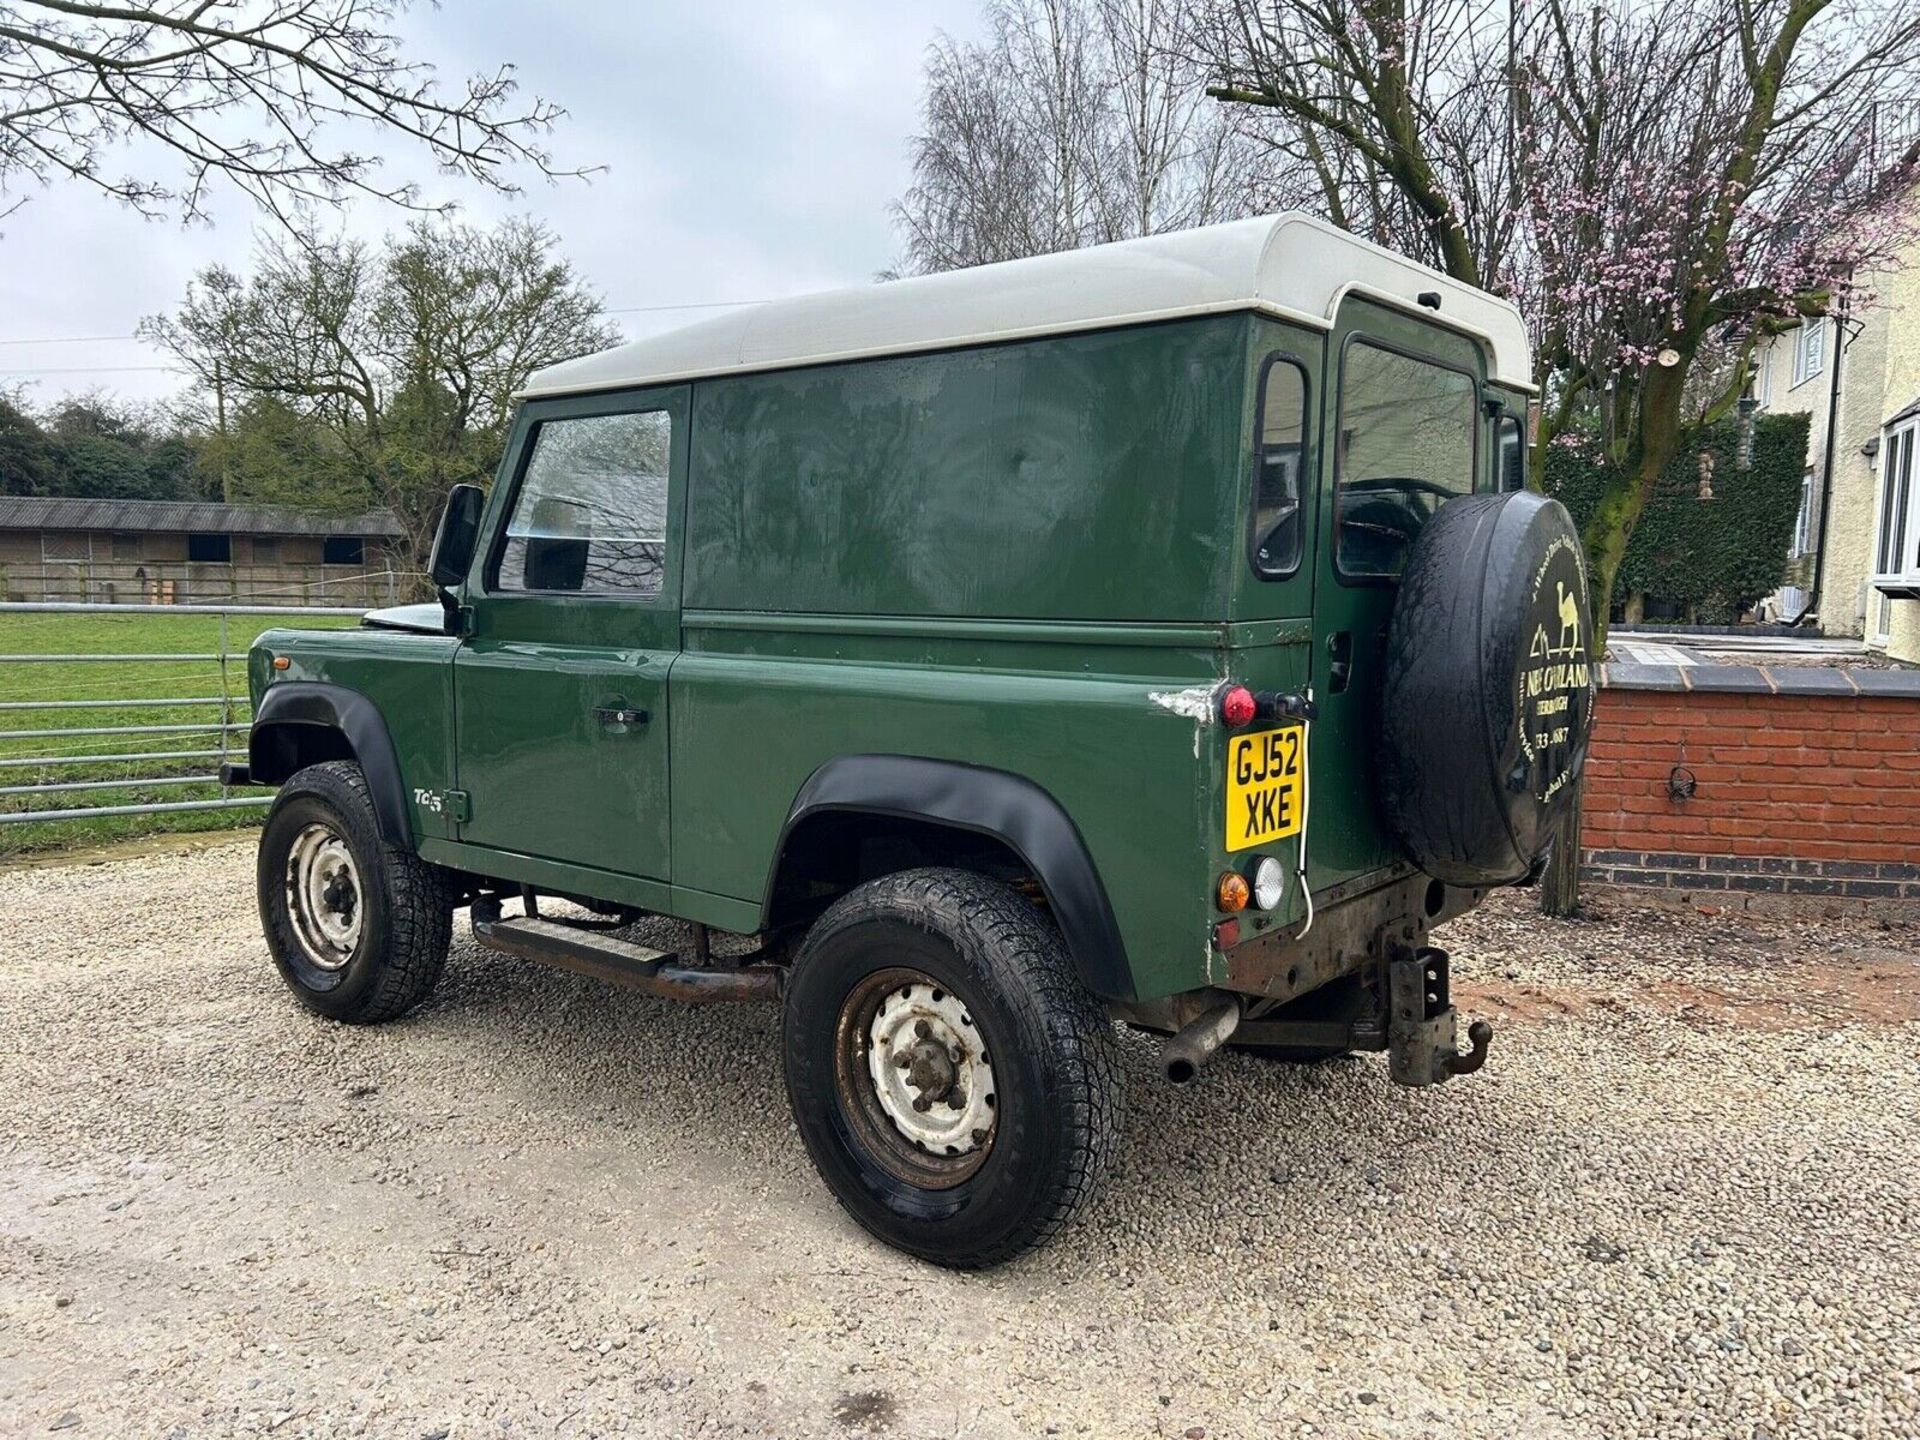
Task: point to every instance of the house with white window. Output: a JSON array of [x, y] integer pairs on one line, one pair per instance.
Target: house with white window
[[1858, 376]]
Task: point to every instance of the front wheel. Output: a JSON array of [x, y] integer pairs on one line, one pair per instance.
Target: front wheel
[[956, 1085], [358, 928]]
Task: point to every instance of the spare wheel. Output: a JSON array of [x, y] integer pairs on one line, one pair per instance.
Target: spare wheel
[[1487, 689]]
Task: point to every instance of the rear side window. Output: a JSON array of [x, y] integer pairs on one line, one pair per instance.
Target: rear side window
[[1279, 469], [590, 517], [1406, 445], [1513, 455]]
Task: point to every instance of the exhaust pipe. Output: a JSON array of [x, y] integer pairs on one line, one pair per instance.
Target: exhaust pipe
[[1184, 1053]]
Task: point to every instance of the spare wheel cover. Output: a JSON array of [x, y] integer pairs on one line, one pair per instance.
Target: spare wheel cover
[[1486, 700]]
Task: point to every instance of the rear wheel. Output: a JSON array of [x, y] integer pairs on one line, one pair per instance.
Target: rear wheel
[[955, 1084], [358, 928]]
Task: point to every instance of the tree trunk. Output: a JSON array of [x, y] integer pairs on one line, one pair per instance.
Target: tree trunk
[[1605, 542], [1560, 886]]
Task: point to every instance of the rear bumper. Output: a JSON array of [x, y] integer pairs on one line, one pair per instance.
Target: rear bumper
[[1355, 925]]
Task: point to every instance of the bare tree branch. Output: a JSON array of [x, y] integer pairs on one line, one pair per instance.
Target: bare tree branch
[[272, 96], [1076, 122]]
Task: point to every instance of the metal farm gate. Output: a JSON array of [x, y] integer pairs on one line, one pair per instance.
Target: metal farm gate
[[181, 752]]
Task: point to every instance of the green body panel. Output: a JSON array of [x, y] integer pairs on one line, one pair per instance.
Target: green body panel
[[1027, 556], [409, 679], [756, 713], [1077, 478]]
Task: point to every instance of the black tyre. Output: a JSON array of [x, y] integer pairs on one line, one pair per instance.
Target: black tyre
[[358, 928], [957, 1086], [1486, 699]]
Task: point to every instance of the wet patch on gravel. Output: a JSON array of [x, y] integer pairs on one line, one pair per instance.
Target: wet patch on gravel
[[1682, 1199]]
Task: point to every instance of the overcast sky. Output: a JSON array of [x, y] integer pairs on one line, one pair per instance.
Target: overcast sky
[[751, 149]]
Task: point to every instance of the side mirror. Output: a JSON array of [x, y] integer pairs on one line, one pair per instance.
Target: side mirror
[[458, 536]]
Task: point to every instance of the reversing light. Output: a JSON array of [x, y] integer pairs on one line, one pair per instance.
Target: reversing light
[[1269, 883], [1237, 707], [1232, 894]]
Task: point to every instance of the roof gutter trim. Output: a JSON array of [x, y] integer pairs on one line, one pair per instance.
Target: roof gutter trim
[[917, 347]]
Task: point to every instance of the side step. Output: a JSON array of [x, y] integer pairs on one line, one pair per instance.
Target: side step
[[623, 963]]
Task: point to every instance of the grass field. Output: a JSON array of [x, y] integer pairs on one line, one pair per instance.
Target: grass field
[[125, 690]]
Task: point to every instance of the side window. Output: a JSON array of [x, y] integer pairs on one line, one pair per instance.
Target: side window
[[1406, 446], [590, 517], [1512, 472], [1279, 469]]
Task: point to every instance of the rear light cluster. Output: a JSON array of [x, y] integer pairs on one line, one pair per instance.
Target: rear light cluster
[[1264, 887], [1269, 883], [1237, 707], [1233, 892]]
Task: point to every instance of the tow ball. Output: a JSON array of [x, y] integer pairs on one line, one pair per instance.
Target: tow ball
[[1422, 1025]]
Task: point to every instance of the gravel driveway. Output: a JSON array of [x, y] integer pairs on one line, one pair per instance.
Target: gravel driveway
[[1682, 1199]]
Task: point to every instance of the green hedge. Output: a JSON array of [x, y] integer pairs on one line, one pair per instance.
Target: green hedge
[[1716, 556]]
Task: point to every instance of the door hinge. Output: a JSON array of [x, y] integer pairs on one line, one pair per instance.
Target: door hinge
[[459, 806]]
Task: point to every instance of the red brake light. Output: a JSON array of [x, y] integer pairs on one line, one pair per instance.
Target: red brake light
[[1237, 707]]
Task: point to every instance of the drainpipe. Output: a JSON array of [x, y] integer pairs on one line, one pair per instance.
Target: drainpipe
[[1826, 471]]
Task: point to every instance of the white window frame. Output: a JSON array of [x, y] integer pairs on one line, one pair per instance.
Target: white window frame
[[1809, 350], [1896, 507], [1803, 521]]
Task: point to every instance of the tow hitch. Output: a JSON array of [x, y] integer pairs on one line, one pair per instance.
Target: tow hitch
[[1422, 1025], [1400, 1005]]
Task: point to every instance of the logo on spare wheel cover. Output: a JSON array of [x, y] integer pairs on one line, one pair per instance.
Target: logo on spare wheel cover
[[1555, 684]]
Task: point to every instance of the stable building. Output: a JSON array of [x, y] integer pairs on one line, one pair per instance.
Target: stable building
[[168, 552]]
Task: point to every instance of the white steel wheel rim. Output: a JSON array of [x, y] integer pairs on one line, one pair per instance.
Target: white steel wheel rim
[[325, 900], [931, 1075]]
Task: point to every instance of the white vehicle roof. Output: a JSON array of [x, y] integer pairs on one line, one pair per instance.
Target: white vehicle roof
[[1291, 265]]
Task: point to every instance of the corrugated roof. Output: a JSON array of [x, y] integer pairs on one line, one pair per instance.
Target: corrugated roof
[[1290, 265], [57, 512]]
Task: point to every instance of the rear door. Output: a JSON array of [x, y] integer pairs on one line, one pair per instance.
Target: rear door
[[1405, 432], [560, 690]]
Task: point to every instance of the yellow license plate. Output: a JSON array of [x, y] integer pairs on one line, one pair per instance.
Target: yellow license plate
[[1266, 786]]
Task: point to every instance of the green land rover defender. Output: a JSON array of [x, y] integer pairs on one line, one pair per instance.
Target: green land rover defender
[[1155, 634]]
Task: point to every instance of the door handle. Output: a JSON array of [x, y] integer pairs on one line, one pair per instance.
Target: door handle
[[619, 717], [1339, 660]]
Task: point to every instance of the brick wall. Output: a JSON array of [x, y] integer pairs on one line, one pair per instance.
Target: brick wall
[[1805, 782]]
